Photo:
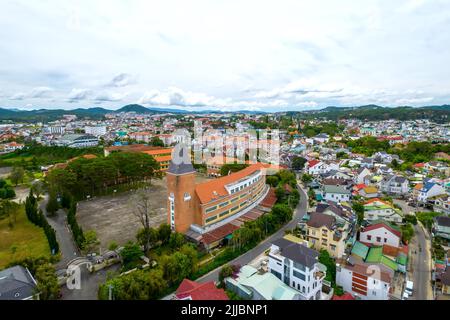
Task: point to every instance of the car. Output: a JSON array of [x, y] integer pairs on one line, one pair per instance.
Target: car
[[405, 296], [409, 288]]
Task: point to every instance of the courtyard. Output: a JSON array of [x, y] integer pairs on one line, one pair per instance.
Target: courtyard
[[113, 219]]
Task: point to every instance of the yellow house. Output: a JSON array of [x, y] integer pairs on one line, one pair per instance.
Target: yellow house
[[323, 232]]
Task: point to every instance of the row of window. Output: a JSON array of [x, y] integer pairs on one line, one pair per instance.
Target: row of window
[[253, 181], [226, 203], [231, 211]]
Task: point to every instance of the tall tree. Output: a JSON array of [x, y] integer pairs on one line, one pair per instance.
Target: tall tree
[[143, 211], [52, 205], [17, 175]]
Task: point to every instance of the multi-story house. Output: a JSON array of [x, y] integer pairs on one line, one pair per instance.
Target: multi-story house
[[381, 234], [298, 267], [428, 191], [442, 205], [364, 281], [376, 209], [316, 167], [441, 227], [97, 131], [361, 175], [336, 193], [323, 232], [394, 185]]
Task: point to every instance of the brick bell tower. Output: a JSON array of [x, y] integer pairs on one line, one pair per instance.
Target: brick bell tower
[[181, 198]]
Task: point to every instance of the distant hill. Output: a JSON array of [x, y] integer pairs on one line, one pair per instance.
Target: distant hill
[[440, 114], [134, 108]]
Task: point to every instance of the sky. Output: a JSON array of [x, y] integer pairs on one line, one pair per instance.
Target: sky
[[224, 54]]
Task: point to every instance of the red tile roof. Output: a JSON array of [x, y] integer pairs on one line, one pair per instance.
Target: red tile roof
[[270, 200], [383, 225], [200, 291], [205, 191], [313, 163], [346, 296], [219, 233]]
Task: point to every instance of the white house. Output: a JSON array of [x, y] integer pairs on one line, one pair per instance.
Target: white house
[[361, 174], [316, 167], [336, 193], [364, 281], [376, 209], [97, 131], [298, 267], [396, 185], [380, 234], [442, 205], [429, 190]]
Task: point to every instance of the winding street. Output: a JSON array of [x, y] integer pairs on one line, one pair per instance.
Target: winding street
[[249, 256], [67, 246], [420, 255]]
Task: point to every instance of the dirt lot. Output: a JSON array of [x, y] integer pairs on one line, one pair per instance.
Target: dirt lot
[[112, 216]]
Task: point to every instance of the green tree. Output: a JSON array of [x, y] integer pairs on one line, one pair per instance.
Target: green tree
[[176, 240], [138, 285], [157, 142], [131, 255], [147, 238], [306, 178], [225, 272], [328, 261], [407, 232], [17, 175], [359, 210], [52, 205], [272, 181], [298, 163], [90, 241], [164, 232]]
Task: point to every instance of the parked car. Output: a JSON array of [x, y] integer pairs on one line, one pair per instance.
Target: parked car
[[409, 288]]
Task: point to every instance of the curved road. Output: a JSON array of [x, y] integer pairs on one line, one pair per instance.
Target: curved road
[[420, 264], [249, 256], [67, 246]]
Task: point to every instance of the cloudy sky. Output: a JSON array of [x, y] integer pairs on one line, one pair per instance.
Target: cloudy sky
[[224, 54]]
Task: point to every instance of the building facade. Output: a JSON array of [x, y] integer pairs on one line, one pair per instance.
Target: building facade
[[204, 207], [298, 267]]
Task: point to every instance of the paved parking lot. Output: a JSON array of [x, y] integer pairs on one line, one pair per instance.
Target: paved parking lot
[[112, 216]]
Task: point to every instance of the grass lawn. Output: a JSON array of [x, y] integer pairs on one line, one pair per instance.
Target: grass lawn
[[27, 239]]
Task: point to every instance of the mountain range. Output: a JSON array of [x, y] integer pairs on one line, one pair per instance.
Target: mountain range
[[368, 112]]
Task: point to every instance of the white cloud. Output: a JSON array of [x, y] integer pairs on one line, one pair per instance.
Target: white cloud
[[36, 93], [77, 95], [123, 80], [110, 96], [292, 54], [40, 92], [18, 96]]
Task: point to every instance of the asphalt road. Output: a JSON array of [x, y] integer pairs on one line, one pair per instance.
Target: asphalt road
[[420, 254], [266, 244], [89, 285], [67, 247]]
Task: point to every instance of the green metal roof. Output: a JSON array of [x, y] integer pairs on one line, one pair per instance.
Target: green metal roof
[[267, 284], [375, 254], [389, 263], [402, 259], [360, 250]]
